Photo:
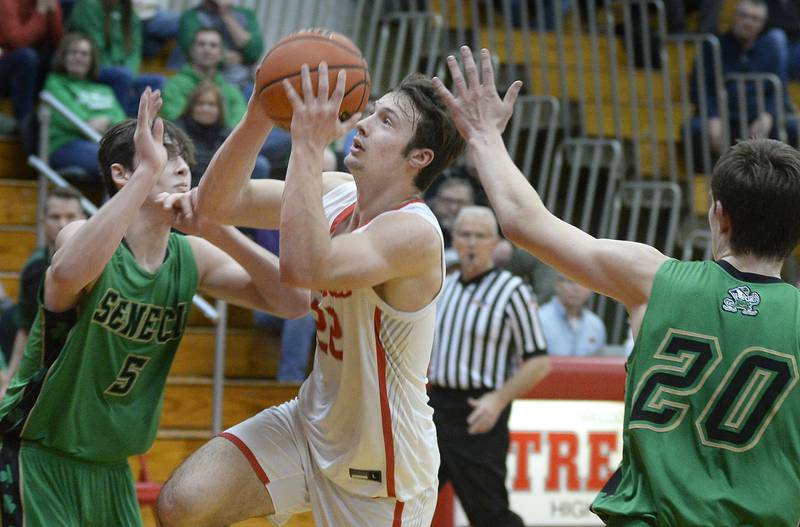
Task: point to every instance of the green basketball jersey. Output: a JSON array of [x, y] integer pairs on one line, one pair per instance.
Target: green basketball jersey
[[711, 430], [91, 382]]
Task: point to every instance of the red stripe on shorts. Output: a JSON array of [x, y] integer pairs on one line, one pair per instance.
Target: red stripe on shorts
[[398, 514], [248, 454], [386, 415]]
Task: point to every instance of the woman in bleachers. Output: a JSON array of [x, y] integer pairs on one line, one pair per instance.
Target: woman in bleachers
[[73, 81], [203, 120], [116, 30]]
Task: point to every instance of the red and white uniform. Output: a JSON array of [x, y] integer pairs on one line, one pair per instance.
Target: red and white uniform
[[358, 445], [364, 407]]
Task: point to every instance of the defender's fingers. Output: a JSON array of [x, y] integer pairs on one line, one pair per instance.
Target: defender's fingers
[[292, 95], [141, 115], [308, 89], [512, 93], [161, 198], [322, 82], [186, 205], [458, 79], [470, 70], [487, 71], [158, 130], [169, 200], [448, 98]]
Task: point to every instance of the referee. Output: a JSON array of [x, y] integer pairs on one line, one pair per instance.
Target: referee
[[488, 350]]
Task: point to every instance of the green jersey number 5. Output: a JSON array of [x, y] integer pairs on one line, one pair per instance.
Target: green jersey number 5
[[128, 375]]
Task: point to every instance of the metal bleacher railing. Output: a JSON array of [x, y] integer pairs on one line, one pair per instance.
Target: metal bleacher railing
[[217, 314]]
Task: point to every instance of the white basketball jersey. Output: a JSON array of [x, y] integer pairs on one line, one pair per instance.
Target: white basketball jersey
[[365, 406]]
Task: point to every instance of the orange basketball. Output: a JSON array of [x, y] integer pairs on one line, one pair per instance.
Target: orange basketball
[[311, 46]]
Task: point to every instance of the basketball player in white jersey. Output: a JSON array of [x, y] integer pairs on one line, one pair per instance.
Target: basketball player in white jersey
[[358, 445]]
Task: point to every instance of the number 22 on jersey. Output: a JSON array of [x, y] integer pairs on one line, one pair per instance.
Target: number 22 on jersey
[[329, 330], [739, 410]]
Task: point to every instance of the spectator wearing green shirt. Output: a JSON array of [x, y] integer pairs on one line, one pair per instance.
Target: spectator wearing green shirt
[[240, 32], [116, 30], [73, 82], [205, 56]]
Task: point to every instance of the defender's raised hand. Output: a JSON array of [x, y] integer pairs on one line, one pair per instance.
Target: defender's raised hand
[[476, 106], [149, 135], [315, 118]]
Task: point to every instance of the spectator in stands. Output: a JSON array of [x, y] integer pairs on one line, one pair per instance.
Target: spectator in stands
[[158, 25], [116, 30], [73, 81], [569, 327], [203, 120], [744, 49], [29, 31], [205, 56], [784, 15], [240, 32], [488, 350], [63, 206]]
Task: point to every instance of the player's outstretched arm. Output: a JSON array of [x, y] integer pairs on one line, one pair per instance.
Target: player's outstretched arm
[[226, 193], [619, 269], [232, 267], [83, 248]]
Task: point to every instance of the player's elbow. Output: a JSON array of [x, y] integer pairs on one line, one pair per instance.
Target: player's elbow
[[293, 275], [176, 508], [62, 274], [295, 305], [213, 209]]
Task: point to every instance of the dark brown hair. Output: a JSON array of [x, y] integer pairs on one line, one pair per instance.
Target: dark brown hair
[[433, 128], [758, 183], [117, 146]]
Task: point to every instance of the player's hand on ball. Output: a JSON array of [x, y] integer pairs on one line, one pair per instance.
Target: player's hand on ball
[[315, 118], [476, 107]]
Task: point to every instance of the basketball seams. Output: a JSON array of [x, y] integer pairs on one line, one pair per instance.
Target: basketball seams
[[301, 36], [277, 80]]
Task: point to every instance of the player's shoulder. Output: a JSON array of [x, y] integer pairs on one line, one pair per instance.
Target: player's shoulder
[[332, 180]]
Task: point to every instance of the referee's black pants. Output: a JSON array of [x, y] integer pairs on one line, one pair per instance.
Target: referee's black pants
[[474, 464]]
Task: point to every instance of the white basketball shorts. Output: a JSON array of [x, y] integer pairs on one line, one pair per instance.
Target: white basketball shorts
[[275, 446]]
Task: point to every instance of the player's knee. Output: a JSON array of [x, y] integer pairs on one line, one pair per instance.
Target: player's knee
[[178, 507]]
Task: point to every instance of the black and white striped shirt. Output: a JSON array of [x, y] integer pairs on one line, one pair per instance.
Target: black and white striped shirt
[[484, 328]]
